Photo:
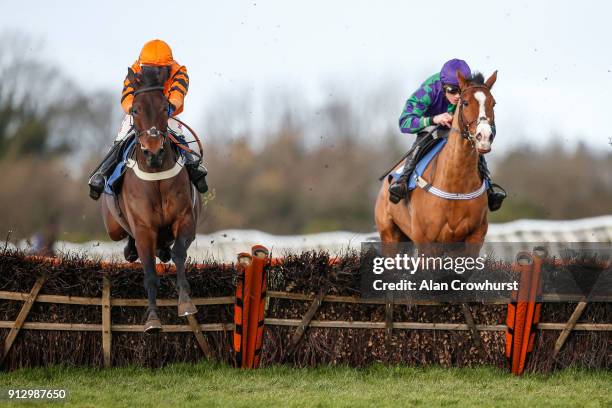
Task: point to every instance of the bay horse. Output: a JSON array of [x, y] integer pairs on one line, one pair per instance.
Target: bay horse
[[159, 206], [459, 212]]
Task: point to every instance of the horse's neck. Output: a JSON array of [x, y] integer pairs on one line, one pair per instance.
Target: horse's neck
[[457, 167]]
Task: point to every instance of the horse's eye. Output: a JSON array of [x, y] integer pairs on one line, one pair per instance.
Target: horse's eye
[[134, 111], [464, 103]]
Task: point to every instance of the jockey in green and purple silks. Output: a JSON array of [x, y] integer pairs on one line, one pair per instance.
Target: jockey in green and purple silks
[[435, 101], [434, 104]]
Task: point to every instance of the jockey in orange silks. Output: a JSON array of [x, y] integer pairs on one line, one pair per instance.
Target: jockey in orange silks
[[155, 53]]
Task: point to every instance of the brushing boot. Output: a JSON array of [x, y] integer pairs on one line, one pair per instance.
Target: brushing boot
[[495, 193]]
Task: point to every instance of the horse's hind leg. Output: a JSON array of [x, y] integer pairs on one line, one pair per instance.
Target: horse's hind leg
[[389, 232], [145, 244], [387, 229], [117, 233], [184, 231], [392, 234], [113, 228]]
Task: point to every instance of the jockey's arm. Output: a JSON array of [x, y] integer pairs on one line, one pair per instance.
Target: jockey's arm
[[413, 119], [127, 95], [178, 89]]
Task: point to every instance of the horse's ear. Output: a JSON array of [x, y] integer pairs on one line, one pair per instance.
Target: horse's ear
[[133, 77], [489, 82], [462, 81], [130, 75]]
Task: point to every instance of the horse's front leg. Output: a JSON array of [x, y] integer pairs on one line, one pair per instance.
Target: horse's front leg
[[145, 245], [184, 231], [477, 237]]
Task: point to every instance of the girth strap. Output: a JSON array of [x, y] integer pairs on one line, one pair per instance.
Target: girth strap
[[421, 182]]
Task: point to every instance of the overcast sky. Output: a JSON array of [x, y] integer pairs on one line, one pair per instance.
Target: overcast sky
[[553, 58]]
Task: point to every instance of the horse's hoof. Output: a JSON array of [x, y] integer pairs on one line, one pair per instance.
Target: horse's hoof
[[152, 326], [130, 254], [164, 254], [186, 308]]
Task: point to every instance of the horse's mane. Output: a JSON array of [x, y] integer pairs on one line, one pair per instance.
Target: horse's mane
[[476, 79]]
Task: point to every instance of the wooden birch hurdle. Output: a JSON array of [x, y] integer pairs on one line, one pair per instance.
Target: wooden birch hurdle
[[250, 308]]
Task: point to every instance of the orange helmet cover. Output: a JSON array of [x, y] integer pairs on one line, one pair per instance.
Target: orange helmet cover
[[157, 53]]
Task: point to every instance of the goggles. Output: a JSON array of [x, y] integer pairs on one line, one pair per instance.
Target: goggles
[[450, 89]]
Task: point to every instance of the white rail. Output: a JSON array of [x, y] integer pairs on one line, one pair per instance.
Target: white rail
[[224, 245]]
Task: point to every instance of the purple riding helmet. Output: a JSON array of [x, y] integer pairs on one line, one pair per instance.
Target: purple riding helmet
[[448, 73]]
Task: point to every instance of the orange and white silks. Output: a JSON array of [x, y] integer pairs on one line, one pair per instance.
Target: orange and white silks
[[524, 312], [249, 308]]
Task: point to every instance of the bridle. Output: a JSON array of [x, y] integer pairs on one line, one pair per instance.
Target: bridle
[[152, 132], [464, 126]]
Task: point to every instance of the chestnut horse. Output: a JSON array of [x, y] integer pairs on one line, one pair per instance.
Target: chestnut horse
[[156, 199], [429, 218]]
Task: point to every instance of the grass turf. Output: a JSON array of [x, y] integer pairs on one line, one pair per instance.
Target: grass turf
[[215, 385]]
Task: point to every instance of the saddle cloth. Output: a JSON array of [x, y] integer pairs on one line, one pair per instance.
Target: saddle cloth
[[113, 185], [421, 165]]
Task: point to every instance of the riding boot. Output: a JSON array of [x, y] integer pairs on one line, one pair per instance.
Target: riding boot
[[97, 181], [398, 190], [495, 193], [197, 173]]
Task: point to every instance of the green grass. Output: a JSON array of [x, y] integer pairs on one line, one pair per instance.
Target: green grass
[[214, 385]]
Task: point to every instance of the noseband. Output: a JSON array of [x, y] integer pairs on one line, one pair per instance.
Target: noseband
[[151, 132], [464, 126]]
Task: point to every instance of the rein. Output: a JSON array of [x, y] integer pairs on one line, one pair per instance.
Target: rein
[[148, 89], [173, 137]]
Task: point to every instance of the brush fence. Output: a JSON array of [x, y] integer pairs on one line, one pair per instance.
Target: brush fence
[[303, 310]]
